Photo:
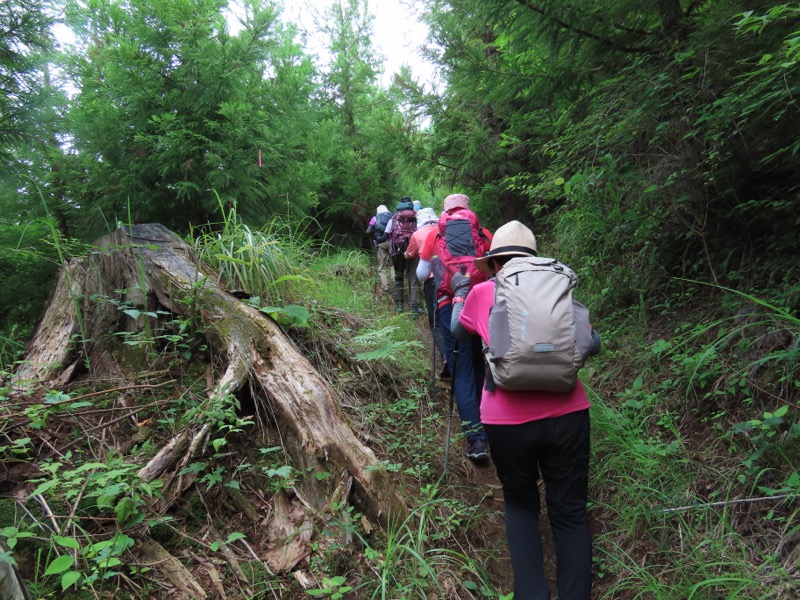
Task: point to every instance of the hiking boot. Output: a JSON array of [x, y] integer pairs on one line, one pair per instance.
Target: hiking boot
[[445, 373], [398, 307], [477, 449]]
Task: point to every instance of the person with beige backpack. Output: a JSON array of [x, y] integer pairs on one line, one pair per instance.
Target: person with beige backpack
[[534, 408]]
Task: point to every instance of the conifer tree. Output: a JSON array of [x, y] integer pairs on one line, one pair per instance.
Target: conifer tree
[[173, 108], [362, 120], [24, 43]]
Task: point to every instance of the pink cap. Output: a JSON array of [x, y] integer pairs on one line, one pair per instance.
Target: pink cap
[[456, 201]]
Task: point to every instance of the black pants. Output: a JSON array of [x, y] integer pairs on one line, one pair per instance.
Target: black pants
[[558, 449]]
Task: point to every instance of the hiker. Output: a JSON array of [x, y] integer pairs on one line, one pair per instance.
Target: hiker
[[427, 225], [400, 229], [464, 358], [380, 239], [532, 433]]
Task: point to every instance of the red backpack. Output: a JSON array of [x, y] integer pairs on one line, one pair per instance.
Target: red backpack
[[404, 225], [459, 242]]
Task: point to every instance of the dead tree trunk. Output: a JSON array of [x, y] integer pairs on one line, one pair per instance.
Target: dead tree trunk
[[156, 269]]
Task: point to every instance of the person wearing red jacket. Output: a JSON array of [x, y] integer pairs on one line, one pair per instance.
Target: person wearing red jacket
[[427, 226], [467, 370]]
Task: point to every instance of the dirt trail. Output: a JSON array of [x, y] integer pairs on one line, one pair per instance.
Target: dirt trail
[[479, 485]]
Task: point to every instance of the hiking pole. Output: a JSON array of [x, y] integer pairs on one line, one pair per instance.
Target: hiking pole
[[450, 409], [414, 315], [408, 285], [433, 353]]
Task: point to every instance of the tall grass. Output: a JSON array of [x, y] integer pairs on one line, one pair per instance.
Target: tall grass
[[266, 262], [413, 565], [658, 539], [686, 504]]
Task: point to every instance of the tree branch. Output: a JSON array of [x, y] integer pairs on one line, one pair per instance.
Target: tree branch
[[583, 32]]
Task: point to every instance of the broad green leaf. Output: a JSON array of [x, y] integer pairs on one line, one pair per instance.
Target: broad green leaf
[[106, 501], [69, 578], [43, 487], [109, 562], [60, 564], [56, 397], [236, 535], [66, 542], [124, 509]]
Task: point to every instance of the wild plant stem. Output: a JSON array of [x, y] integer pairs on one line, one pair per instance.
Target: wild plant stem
[[728, 502]]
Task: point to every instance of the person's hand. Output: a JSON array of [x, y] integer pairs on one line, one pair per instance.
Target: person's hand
[[460, 284]]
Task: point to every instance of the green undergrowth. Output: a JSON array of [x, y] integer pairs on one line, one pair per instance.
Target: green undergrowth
[[385, 390], [73, 532], [695, 482], [694, 477]]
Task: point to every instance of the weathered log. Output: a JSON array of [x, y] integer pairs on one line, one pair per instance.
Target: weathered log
[[289, 532], [171, 569], [156, 269], [49, 356]]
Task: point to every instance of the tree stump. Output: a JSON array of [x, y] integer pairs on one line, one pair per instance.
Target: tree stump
[[155, 270]]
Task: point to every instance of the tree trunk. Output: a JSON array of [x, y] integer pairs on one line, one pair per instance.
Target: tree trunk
[[156, 270], [669, 12]]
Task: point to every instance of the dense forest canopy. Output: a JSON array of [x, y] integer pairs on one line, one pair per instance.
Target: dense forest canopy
[[675, 121], [654, 145], [159, 107]]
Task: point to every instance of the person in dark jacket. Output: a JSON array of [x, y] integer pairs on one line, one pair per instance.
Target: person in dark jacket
[[380, 239]]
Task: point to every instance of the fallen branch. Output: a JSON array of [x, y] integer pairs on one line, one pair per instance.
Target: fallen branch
[[729, 502], [171, 568], [112, 421], [142, 386], [233, 562], [95, 410]]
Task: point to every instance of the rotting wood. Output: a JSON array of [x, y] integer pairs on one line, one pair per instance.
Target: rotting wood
[[158, 270], [232, 561], [290, 532], [171, 568], [243, 505]]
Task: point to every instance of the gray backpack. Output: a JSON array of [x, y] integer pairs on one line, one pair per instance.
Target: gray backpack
[[539, 336]]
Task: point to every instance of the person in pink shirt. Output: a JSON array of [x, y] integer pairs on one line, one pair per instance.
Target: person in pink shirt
[[533, 433]]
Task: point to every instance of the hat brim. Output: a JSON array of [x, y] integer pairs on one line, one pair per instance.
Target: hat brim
[[482, 263]]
